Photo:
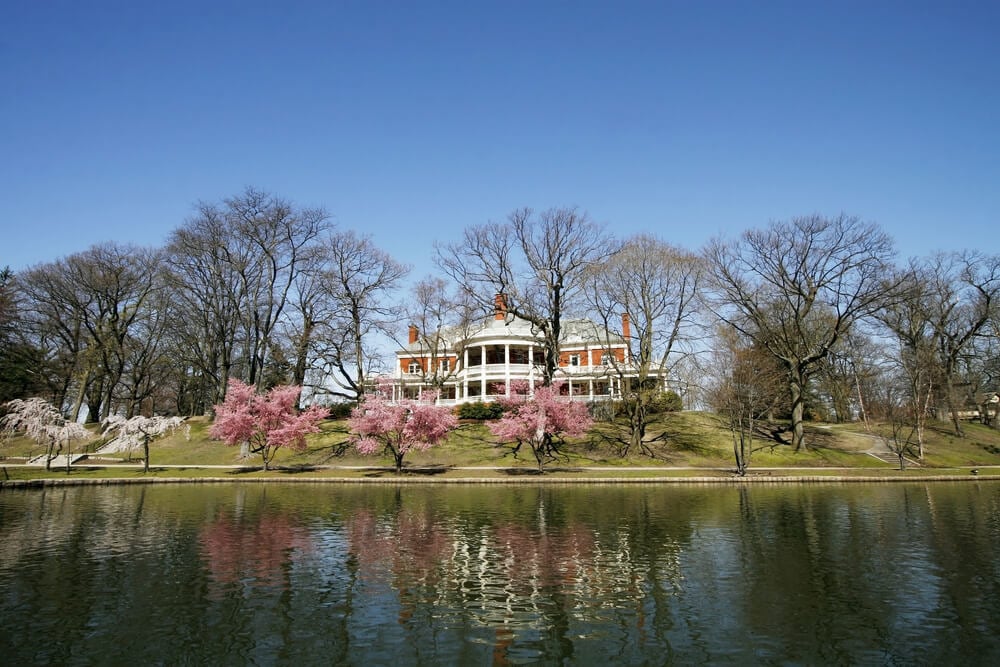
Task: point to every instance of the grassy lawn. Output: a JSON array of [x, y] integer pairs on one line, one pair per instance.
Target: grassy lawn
[[690, 444]]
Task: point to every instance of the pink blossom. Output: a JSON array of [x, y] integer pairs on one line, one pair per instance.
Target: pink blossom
[[266, 422], [540, 419], [398, 427]]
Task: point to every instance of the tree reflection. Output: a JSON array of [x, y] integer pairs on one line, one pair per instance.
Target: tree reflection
[[254, 550]]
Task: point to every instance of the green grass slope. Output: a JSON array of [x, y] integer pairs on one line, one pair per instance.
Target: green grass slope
[[688, 440]]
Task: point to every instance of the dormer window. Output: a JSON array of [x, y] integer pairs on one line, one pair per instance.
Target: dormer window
[[607, 359], [413, 368], [444, 365], [574, 360]]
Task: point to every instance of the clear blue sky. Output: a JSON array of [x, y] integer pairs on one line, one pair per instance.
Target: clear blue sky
[[413, 120]]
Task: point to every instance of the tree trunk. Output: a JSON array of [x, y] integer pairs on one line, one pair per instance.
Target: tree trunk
[[302, 353], [145, 453], [921, 419], [797, 386], [74, 414], [738, 448], [49, 454], [953, 406]]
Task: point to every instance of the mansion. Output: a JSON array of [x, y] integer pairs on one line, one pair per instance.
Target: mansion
[[479, 362]]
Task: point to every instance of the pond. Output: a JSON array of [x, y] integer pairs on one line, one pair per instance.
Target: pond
[[501, 574]]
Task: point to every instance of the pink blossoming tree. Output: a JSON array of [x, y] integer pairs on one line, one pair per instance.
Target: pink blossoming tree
[[540, 421], [381, 425], [266, 422]]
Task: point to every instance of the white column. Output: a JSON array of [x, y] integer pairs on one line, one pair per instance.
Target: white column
[[482, 373], [465, 375], [506, 368], [531, 368]]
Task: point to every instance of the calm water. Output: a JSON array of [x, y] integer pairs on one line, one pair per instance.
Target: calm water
[[372, 575]]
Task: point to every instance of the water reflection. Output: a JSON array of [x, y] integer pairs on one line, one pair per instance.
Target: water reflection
[[252, 551], [330, 574]]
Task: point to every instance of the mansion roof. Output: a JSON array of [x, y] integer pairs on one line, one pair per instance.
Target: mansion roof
[[574, 332]]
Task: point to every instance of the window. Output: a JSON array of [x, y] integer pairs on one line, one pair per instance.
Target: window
[[607, 359], [413, 368], [444, 365], [574, 360]]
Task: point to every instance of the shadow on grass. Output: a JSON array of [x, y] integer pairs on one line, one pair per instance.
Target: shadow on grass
[[336, 451], [295, 469], [516, 472], [675, 437], [246, 469], [407, 471]]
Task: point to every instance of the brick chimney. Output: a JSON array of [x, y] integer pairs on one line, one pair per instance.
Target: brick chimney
[[413, 333], [499, 306], [626, 327]]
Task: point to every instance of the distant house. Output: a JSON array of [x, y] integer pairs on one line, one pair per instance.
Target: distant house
[[967, 404], [480, 362], [989, 409]]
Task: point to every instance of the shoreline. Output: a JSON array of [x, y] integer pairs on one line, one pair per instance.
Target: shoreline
[[488, 481]]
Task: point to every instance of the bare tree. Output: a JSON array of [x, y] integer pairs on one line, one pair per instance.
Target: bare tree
[[795, 288], [439, 321], [537, 263], [962, 292], [895, 414], [744, 389], [52, 311], [209, 304], [8, 304], [91, 304], [310, 306], [234, 268], [279, 237], [914, 354], [359, 279], [21, 364], [645, 294], [845, 375]]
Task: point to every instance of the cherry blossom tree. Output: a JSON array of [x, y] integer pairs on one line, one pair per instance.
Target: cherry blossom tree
[[42, 422], [266, 422], [541, 421], [137, 431], [381, 425]]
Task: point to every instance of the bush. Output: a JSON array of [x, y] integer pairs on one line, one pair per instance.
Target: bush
[[341, 410], [480, 410], [666, 401], [604, 411]]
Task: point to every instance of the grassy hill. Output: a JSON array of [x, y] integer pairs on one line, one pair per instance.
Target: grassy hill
[[681, 440]]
